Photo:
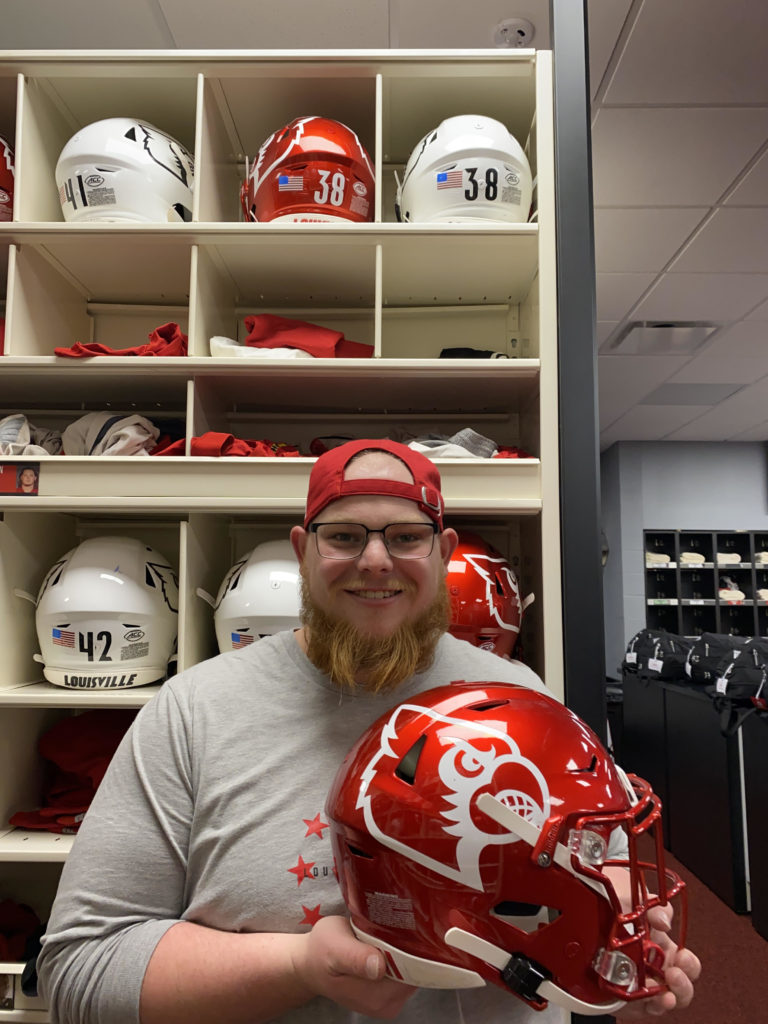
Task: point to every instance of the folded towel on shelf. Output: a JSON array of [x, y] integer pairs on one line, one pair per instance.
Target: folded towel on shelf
[[728, 558], [656, 558], [761, 558], [691, 558]]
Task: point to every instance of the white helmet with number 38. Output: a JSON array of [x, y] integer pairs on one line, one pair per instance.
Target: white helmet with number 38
[[468, 168], [258, 596], [124, 169], [107, 615]]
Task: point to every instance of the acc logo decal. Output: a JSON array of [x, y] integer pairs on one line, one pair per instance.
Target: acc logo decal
[[472, 755]]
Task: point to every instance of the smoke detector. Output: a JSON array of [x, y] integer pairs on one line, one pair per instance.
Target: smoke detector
[[513, 33]]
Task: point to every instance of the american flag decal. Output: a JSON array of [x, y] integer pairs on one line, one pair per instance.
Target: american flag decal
[[290, 183], [449, 179], [63, 637], [240, 640]]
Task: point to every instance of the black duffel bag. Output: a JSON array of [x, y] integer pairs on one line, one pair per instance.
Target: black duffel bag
[[741, 689], [656, 654], [709, 656]]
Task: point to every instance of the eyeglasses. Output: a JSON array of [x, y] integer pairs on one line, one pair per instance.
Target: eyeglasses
[[349, 540]]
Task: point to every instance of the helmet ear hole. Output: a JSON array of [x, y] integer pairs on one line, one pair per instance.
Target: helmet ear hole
[[406, 769]]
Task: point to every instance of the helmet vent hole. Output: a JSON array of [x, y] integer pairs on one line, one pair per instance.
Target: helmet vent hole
[[357, 852], [588, 768], [131, 134], [406, 770], [513, 908], [489, 705]]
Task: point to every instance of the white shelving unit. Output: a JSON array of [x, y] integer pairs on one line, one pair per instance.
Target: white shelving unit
[[408, 290]]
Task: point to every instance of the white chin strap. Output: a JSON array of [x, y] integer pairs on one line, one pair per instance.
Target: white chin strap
[[423, 973]]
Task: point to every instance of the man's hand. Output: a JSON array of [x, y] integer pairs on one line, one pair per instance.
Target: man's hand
[[332, 962], [681, 969]]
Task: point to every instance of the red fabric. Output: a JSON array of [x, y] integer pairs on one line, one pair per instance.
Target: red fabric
[[506, 452], [215, 445], [327, 483], [167, 340], [269, 331], [77, 750], [18, 923]]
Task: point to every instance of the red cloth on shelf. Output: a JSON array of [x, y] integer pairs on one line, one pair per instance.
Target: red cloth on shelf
[[506, 452], [18, 923], [77, 751], [215, 445], [269, 331], [166, 340]]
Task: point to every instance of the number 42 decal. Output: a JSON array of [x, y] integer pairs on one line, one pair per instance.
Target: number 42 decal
[[88, 644]]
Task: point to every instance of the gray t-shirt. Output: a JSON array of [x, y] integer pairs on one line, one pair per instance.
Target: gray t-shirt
[[212, 811]]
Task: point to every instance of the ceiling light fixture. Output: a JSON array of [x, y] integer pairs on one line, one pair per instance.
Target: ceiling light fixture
[[652, 337]]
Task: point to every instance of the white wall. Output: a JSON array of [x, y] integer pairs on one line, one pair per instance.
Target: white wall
[[670, 485]]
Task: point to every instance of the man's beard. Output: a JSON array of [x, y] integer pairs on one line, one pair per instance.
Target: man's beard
[[376, 664]]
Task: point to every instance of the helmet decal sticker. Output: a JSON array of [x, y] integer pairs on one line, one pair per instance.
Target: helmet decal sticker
[[473, 753], [159, 146], [164, 577], [488, 569]]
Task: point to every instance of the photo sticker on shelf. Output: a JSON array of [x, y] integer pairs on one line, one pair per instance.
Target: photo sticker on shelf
[[19, 477]]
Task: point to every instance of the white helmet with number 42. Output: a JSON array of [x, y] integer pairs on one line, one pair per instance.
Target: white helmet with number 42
[[107, 615]]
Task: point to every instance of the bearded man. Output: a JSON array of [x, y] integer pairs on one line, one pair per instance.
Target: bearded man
[[202, 887]]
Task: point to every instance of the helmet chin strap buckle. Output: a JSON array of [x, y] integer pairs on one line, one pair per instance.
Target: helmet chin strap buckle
[[524, 976]]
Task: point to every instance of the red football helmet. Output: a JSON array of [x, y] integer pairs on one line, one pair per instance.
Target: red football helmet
[[486, 608], [476, 829], [6, 181], [314, 170]]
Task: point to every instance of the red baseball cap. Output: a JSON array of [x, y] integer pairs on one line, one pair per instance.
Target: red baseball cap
[[327, 483]]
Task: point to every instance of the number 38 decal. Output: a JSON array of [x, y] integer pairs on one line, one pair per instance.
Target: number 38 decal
[[330, 191], [490, 185]]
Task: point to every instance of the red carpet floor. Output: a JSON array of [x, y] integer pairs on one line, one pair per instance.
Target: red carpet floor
[[733, 988]]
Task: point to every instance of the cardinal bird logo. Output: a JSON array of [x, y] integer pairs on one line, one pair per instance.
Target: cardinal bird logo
[[469, 758]]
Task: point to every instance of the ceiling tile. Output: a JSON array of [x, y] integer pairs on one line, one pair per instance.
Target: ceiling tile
[[757, 433], [618, 293], [717, 297], [753, 190], [710, 394], [741, 412], [83, 25], [650, 423], [605, 19], [623, 381], [717, 369], [733, 241], [432, 24], [746, 340], [712, 52], [290, 24], [641, 239], [666, 157], [760, 314]]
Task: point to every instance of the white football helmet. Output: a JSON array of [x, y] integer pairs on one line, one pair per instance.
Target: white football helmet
[[107, 616], [468, 168], [122, 169], [258, 596]]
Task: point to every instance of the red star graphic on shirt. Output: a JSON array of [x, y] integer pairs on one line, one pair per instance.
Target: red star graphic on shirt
[[311, 915], [314, 826], [302, 869]]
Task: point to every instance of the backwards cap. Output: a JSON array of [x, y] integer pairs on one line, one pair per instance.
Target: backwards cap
[[327, 483]]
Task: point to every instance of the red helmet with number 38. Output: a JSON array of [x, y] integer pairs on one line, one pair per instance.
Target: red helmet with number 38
[[477, 829], [486, 608], [315, 170]]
